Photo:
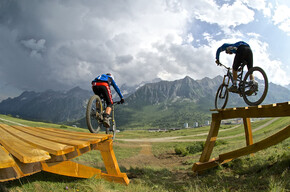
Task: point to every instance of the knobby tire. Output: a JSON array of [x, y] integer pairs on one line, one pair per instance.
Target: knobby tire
[[94, 103], [221, 90], [263, 80]]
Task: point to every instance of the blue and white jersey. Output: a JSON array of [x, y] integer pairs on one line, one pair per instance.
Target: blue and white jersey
[[231, 47], [109, 79]]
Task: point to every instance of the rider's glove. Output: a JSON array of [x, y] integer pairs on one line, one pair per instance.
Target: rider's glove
[[217, 62], [122, 101]]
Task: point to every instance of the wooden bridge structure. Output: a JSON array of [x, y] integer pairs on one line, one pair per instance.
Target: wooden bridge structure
[[28, 150], [272, 110]]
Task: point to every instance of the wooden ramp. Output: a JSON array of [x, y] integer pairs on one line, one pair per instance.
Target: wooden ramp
[[273, 110], [28, 150]]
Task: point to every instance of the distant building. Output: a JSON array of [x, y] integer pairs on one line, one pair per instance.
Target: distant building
[[195, 124], [185, 125], [207, 123]]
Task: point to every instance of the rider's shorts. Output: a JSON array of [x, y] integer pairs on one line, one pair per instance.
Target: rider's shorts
[[103, 90], [244, 53]]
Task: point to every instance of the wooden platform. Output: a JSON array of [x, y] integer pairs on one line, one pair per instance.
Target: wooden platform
[[272, 110], [28, 150]]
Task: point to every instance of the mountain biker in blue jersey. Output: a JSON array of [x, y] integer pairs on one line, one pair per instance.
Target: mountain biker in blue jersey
[[243, 54], [101, 86]]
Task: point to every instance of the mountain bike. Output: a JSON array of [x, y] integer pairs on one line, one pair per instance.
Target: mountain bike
[[252, 93], [94, 116]]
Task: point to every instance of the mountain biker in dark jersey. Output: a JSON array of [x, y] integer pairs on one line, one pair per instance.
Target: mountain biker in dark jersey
[[243, 54], [101, 86]]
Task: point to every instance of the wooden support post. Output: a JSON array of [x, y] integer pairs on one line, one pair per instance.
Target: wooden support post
[[211, 138], [248, 131], [273, 110], [111, 164]]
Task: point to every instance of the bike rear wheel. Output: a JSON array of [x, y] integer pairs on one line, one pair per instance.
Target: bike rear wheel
[[255, 94], [221, 97], [94, 114]]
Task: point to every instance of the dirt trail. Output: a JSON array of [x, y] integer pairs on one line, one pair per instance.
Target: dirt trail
[[146, 158], [167, 160], [174, 139]]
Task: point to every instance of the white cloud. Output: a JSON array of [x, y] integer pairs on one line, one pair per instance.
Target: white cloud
[[135, 40], [281, 18], [273, 67], [260, 5], [225, 15]]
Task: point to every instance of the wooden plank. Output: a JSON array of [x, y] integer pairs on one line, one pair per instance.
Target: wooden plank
[[20, 149], [272, 140], [40, 143], [80, 135], [92, 138], [5, 159], [56, 137]]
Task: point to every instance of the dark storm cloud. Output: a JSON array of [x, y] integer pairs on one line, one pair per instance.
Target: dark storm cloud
[[58, 44]]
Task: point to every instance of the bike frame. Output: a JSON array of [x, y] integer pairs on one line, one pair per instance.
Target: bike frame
[[229, 76], [113, 110]]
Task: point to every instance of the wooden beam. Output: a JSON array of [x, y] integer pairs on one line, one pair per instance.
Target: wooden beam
[[211, 138], [72, 169], [272, 140], [60, 138]]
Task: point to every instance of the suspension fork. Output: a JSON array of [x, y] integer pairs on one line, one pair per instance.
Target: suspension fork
[[226, 80], [113, 115]]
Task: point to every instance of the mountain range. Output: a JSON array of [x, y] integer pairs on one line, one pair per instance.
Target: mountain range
[[155, 104]]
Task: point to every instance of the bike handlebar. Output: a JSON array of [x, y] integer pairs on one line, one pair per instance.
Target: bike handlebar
[[220, 64]]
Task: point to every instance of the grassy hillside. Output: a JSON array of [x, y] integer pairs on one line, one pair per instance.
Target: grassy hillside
[[166, 166], [162, 115]]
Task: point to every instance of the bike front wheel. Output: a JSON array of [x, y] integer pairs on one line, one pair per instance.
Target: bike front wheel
[[94, 114], [221, 97], [255, 93]]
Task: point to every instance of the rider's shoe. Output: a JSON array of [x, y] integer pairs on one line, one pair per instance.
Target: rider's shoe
[[106, 120], [253, 88], [233, 89], [253, 83]]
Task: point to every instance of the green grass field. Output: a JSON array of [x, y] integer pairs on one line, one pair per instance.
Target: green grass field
[[156, 166]]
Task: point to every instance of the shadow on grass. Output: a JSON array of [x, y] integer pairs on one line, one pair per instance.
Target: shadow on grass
[[41, 176], [228, 177], [239, 175]]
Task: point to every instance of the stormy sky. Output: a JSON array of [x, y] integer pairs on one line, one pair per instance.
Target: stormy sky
[[60, 44]]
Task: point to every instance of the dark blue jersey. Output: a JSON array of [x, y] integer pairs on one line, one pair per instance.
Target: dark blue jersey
[[109, 79], [231, 47]]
